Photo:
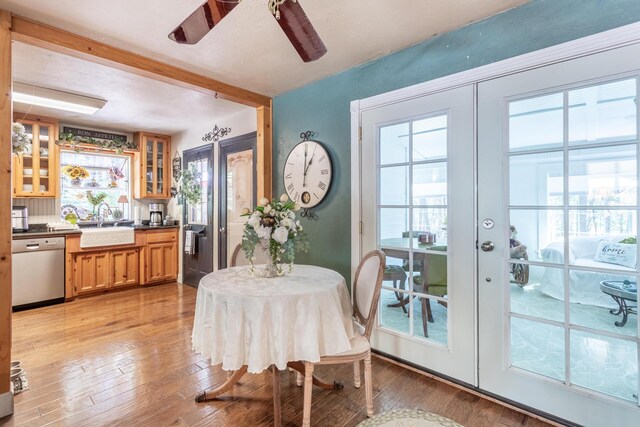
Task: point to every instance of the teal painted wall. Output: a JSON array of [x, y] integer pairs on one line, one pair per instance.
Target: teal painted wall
[[323, 106]]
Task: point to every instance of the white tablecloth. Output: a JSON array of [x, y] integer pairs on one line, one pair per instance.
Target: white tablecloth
[[242, 319]]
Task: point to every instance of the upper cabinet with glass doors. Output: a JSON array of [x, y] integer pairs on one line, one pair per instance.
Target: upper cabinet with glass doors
[[35, 171], [153, 162]]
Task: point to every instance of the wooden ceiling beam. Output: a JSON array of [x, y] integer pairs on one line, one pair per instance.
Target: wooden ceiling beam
[[52, 38]]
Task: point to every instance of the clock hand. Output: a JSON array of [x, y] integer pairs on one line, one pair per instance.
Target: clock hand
[[310, 160], [304, 175]]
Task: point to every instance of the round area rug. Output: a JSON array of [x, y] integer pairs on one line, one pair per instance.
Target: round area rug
[[408, 418]]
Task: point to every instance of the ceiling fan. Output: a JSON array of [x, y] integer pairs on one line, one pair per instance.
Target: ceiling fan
[[288, 13]]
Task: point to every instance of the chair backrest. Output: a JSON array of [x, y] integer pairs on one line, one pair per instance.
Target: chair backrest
[[239, 258], [366, 289]]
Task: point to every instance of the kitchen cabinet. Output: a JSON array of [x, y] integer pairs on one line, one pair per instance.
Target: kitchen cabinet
[[36, 171], [152, 259], [91, 272], [153, 166], [161, 263], [125, 267]]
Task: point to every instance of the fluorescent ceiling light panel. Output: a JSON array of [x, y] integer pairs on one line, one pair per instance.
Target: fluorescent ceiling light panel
[[51, 98]]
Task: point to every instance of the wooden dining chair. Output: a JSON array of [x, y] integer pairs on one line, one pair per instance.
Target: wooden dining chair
[[366, 293], [239, 258]]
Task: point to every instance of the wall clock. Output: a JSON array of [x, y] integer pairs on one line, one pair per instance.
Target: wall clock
[[308, 172]]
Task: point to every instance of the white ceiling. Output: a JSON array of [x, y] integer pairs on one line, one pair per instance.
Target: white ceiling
[[248, 49], [133, 102]]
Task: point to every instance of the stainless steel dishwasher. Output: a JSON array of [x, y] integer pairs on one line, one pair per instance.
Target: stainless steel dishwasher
[[37, 272]]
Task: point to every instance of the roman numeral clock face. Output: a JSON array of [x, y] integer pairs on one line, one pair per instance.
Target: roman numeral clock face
[[307, 173]]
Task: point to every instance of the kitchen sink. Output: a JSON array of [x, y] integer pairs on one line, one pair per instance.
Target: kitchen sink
[[111, 236]]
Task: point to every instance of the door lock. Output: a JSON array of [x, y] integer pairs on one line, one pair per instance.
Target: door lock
[[222, 229], [487, 246]]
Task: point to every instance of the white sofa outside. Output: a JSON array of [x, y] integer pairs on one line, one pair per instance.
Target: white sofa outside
[[584, 286]]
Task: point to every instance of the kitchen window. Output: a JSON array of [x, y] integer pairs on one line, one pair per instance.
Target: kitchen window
[[86, 178]]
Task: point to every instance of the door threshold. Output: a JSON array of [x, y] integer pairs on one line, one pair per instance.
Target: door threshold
[[527, 410]]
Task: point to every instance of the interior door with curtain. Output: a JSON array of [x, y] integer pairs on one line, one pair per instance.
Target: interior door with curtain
[[558, 204], [417, 177], [198, 217]]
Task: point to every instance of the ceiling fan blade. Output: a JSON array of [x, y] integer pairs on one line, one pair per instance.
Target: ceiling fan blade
[[300, 32], [202, 20]]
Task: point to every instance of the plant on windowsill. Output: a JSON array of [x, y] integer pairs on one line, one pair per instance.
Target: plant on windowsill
[[77, 142], [189, 186], [274, 227], [95, 199]]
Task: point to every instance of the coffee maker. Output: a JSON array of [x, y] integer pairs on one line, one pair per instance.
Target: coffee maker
[[19, 219], [156, 210]]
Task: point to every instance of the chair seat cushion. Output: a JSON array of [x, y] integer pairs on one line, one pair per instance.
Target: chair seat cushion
[[359, 345]]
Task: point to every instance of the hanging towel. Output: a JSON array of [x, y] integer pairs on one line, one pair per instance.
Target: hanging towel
[[190, 242]]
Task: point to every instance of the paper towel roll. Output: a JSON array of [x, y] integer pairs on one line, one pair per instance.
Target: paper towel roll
[[136, 213]]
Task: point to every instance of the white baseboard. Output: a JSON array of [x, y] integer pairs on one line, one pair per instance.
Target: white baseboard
[[6, 404], [179, 278]]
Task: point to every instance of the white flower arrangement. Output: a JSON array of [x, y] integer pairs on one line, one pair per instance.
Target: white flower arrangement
[[19, 138], [273, 225]]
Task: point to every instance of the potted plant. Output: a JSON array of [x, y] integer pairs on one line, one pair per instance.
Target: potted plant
[[76, 174]]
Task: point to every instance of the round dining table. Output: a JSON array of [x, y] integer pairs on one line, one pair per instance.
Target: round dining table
[[249, 323]]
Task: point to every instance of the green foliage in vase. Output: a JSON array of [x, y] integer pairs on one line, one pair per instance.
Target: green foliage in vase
[[190, 186], [274, 226], [95, 199]]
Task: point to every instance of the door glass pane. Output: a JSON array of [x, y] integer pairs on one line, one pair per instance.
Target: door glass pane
[[430, 319], [239, 196], [604, 301], [160, 167], [603, 113], [394, 298], [430, 184], [536, 123], [603, 176], [537, 347], [531, 295], [537, 179], [417, 232], [429, 228], [430, 138], [394, 144], [149, 171], [394, 185], [605, 364], [197, 213], [394, 228], [537, 235]]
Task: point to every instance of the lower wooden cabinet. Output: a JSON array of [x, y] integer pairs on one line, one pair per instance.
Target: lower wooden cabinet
[[91, 272], [152, 259], [125, 266], [161, 262]]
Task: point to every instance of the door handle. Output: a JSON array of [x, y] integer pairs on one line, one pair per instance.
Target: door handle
[[487, 246]]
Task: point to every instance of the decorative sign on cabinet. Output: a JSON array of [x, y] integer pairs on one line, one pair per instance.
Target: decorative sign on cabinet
[[36, 171]]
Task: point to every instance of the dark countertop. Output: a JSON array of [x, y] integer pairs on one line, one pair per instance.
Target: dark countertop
[[36, 234], [39, 232], [154, 227]]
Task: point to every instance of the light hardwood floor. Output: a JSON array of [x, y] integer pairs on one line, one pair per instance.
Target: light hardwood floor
[[125, 359]]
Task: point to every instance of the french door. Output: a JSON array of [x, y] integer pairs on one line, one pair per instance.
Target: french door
[[558, 215], [198, 217], [418, 175]]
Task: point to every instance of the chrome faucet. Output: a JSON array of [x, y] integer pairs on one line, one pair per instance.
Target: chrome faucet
[[101, 217]]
